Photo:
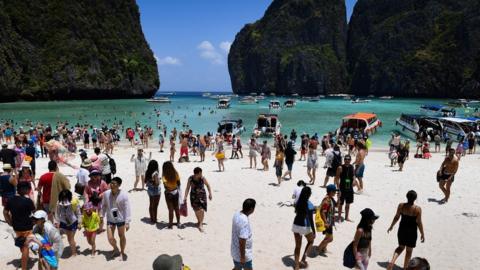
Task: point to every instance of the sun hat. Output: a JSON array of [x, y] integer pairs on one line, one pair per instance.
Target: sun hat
[[87, 163], [166, 262], [26, 164], [95, 173], [39, 214], [331, 188], [6, 166], [368, 213]]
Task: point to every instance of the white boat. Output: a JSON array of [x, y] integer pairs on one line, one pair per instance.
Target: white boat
[[417, 123], [315, 99], [231, 127], [295, 95], [360, 100], [437, 110], [364, 122], [267, 125], [159, 100], [457, 128], [386, 97], [261, 97], [223, 103], [206, 94], [290, 103], [248, 100], [274, 104]]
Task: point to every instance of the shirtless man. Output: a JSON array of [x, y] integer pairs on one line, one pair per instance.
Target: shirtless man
[[360, 165], [446, 174]]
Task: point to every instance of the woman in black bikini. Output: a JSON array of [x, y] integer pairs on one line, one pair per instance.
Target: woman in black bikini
[[411, 218]]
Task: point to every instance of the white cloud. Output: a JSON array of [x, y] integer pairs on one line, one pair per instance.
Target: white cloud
[[225, 46], [210, 53], [168, 60]]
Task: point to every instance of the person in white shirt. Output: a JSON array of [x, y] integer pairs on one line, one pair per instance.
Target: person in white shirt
[[241, 247], [298, 189], [116, 207], [104, 161], [83, 172], [46, 229], [140, 167]]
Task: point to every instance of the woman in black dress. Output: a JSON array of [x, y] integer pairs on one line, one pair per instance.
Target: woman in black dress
[[198, 195], [411, 219]]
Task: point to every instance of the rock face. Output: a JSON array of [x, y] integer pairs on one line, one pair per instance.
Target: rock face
[[415, 48], [297, 47], [54, 49]]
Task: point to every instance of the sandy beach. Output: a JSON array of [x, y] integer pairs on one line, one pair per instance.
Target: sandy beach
[[450, 229]]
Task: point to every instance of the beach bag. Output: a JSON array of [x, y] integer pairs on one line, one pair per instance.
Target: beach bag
[[113, 165], [47, 252], [319, 224], [349, 257], [184, 209]]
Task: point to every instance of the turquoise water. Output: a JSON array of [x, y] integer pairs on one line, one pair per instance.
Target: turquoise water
[[310, 117]]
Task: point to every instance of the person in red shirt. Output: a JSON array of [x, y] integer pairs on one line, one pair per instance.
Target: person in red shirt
[[44, 188]]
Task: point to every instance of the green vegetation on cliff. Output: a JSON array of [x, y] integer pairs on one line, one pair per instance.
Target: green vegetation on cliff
[[52, 49]]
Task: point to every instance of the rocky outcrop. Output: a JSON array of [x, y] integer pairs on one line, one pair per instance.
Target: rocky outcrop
[[54, 49], [297, 47], [415, 48]]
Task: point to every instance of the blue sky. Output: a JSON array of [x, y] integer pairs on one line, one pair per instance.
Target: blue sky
[[191, 38]]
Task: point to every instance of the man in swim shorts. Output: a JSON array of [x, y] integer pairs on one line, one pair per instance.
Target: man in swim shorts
[[360, 165], [446, 174]]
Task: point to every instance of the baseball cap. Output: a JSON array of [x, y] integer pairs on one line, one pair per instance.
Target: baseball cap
[[331, 188], [368, 213], [39, 214], [95, 173]]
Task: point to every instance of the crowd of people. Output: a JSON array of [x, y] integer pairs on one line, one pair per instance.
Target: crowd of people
[[97, 203]]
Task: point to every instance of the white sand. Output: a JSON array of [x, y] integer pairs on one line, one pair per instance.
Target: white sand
[[452, 238]]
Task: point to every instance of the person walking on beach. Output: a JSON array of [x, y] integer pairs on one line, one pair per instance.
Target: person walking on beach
[[91, 224], [184, 149], [266, 155], [104, 161], [198, 195], [401, 156], [252, 152], [67, 215], [333, 159], [239, 147], [312, 164], [344, 180], [202, 146], [289, 159], [172, 149], [446, 174], [220, 154], [116, 207], [171, 182], [411, 219], [8, 184], [327, 213], [140, 167], [17, 214], [59, 182], [152, 180], [241, 246], [303, 147], [303, 225], [360, 165], [279, 159], [44, 228], [362, 241]]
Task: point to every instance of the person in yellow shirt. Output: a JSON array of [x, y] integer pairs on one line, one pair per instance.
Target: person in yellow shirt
[[91, 223], [171, 182]]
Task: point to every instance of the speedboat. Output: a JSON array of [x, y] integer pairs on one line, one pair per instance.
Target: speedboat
[[248, 100], [274, 104], [457, 128], [159, 100], [231, 127], [417, 123], [315, 99], [206, 94], [360, 100], [267, 125], [386, 97], [437, 110], [223, 103], [289, 103], [364, 122]]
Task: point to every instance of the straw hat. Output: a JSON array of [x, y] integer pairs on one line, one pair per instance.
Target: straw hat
[[26, 164], [86, 163], [7, 166]]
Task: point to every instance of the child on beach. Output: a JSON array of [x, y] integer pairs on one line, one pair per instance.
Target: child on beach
[[68, 214], [172, 149], [91, 223]]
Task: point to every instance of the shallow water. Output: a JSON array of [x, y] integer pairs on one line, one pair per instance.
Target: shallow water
[[310, 117]]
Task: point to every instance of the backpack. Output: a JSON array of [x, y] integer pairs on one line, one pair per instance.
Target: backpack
[[113, 165], [336, 161]]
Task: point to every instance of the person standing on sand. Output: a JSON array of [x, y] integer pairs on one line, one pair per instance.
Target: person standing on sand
[[171, 182], [289, 159], [362, 241], [312, 164], [8, 184], [104, 162], [411, 219], [198, 196], [116, 207], [153, 189], [360, 165], [279, 159], [184, 148], [140, 167], [266, 155], [333, 159], [344, 181], [327, 212], [241, 246], [220, 154], [202, 146], [172, 149], [59, 183], [401, 156], [446, 174], [252, 152], [303, 225]]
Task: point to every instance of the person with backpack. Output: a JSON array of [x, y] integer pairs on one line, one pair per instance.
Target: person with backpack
[[344, 181], [333, 160], [106, 163]]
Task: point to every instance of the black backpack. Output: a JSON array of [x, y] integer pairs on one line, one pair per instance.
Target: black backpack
[[113, 165], [337, 160]]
